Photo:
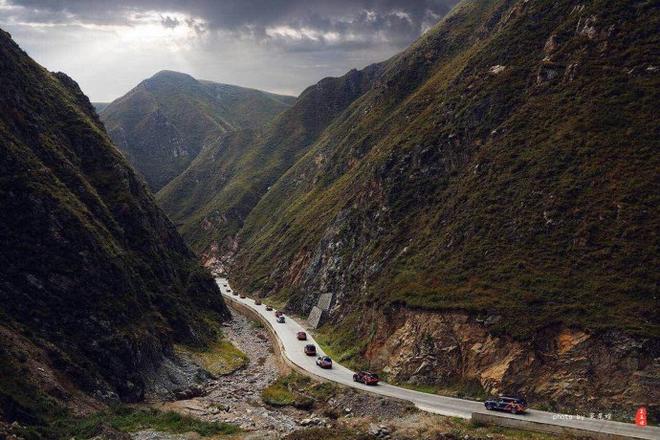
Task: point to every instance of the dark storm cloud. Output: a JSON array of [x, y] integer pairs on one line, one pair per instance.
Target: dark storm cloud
[[292, 24], [283, 46]]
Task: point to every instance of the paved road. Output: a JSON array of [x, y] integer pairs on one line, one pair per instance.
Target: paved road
[[292, 349]]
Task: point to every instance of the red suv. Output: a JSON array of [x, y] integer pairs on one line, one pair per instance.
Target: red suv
[[366, 378], [302, 336], [310, 350]]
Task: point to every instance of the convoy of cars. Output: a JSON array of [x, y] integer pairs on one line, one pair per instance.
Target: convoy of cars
[[325, 362], [514, 405]]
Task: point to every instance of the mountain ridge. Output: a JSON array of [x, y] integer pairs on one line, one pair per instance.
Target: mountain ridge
[[226, 180], [163, 122], [96, 285]]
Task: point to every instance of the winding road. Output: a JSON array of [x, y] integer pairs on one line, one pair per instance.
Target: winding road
[[292, 350]]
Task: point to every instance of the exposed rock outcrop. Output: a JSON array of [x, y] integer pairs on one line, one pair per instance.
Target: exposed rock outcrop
[[564, 367]]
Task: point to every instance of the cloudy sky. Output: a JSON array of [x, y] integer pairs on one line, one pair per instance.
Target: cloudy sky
[[277, 45]]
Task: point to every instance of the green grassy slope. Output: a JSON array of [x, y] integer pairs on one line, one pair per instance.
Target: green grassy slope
[[92, 273], [506, 163], [162, 123], [210, 200]]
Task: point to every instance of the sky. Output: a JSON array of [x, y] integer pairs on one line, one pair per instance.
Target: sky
[[282, 46]]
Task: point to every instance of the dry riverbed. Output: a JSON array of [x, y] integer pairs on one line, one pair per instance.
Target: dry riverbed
[[236, 397]]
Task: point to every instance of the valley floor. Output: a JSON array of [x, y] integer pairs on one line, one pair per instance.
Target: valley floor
[[334, 413]]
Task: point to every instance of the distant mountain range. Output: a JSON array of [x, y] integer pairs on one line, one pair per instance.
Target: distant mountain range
[[96, 285], [162, 124], [481, 209]]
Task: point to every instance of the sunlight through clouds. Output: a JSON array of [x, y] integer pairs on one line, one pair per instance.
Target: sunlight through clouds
[[109, 47]]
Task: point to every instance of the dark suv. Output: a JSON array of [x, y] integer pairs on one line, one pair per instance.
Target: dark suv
[[514, 405]]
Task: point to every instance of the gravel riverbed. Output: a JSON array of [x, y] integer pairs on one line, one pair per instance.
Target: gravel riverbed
[[236, 397]]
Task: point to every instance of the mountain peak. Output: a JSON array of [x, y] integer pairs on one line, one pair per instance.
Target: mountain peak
[[169, 77], [163, 123], [171, 74]]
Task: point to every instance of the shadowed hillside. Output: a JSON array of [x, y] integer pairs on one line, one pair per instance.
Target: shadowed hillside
[[95, 282]]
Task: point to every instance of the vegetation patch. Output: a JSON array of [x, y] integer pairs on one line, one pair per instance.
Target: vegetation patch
[[128, 419], [333, 433], [297, 390], [219, 358], [339, 342]]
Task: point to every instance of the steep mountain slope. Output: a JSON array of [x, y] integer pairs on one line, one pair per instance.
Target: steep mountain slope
[[210, 200], [162, 123], [487, 212], [95, 282]]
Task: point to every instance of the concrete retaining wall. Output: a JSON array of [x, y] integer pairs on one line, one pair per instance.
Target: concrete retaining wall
[[528, 425]]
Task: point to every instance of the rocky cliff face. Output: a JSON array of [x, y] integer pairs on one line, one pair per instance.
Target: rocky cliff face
[[162, 124], [95, 282], [561, 367], [503, 165]]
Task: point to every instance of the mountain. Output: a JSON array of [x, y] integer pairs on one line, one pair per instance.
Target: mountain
[[213, 196], [95, 283], [483, 217], [162, 124]]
